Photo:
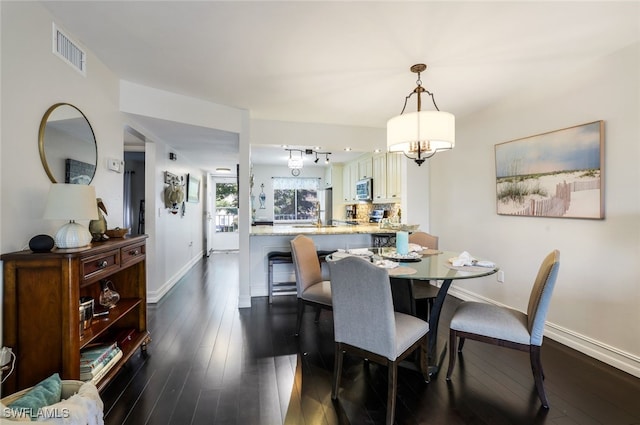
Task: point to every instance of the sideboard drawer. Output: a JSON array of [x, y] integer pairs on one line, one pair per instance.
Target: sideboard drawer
[[99, 265], [132, 253]]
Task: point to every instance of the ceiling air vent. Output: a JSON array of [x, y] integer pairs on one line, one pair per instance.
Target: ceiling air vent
[[69, 51]]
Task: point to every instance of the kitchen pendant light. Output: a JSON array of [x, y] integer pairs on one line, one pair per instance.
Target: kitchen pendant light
[[295, 163], [420, 135]]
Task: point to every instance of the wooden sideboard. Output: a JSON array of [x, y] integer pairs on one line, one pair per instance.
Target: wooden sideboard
[[41, 301]]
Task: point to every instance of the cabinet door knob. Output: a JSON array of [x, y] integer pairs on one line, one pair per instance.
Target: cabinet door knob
[[102, 264], [134, 252]]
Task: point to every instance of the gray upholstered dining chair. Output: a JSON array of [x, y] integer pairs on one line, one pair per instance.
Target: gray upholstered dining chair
[[311, 289], [365, 323], [424, 290], [507, 327]]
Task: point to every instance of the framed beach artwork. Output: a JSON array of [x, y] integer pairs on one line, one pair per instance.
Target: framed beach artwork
[[555, 174], [193, 189]]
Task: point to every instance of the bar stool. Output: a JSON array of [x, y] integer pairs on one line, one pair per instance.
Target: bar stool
[[280, 288], [284, 257]]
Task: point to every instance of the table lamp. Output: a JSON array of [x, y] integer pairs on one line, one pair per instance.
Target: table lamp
[[71, 202]]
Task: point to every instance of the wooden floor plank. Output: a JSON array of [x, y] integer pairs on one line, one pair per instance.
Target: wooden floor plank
[[212, 363]]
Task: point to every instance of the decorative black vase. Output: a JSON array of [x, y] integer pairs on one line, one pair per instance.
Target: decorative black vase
[[41, 243]]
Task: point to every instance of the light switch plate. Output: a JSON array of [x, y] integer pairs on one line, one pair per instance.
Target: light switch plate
[[114, 165]]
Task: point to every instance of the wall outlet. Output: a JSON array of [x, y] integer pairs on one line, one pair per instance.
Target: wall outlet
[[500, 276], [5, 356]]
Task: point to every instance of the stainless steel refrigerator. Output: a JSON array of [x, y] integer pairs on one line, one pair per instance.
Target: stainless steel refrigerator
[[325, 196]]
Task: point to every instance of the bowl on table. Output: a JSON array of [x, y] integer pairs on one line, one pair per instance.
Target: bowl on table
[[117, 232]]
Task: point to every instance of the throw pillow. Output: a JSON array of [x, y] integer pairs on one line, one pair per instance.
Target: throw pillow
[[43, 394]]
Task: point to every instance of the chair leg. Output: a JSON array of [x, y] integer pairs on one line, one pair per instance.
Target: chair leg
[[460, 344], [299, 316], [337, 370], [391, 392], [424, 364], [270, 278], [317, 319], [536, 366], [452, 352]]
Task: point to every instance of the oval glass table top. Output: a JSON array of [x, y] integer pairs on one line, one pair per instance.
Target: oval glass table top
[[67, 145]]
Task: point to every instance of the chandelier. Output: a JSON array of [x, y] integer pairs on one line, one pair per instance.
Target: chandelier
[[420, 135]]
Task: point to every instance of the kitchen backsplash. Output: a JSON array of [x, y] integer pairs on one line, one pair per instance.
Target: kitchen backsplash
[[363, 210]]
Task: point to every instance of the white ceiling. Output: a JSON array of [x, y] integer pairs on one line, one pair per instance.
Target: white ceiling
[[339, 62]]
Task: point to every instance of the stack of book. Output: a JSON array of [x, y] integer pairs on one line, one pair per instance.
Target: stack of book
[[96, 361]]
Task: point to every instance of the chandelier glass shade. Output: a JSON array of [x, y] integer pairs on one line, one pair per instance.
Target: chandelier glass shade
[[295, 163], [421, 134]]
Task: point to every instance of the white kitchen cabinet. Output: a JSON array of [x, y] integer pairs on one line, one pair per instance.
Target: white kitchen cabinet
[[333, 175], [394, 176], [365, 167], [349, 178], [387, 178], [379, 164]]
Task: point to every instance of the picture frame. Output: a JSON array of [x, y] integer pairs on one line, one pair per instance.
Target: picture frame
[[193, 188], [555, 174]]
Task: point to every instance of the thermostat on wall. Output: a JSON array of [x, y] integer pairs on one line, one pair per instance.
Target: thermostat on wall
[[115, 165]]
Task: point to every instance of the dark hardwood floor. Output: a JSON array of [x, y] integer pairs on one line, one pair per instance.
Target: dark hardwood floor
[[212, 363]]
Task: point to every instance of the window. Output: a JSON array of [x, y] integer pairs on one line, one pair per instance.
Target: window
[[226, 207], [294, 199]]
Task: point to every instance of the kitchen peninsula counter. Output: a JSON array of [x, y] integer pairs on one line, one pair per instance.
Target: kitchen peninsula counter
[[286, 230], [266, 239]]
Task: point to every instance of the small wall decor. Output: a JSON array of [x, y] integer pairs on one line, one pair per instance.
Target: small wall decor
[[193, 188], [263, 197], [555, 174], [173, 192], [170, 178]]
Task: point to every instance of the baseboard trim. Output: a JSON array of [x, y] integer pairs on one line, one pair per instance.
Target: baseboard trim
[[612, 356], [244, 301], [154, 297]]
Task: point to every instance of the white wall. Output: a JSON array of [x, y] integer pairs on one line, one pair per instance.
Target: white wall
[[329, 136], [415, 192], [178, 238], [177, 243], [596, 303], [33, 79]]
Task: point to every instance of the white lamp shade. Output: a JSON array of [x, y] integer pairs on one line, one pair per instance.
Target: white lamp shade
[[434, 129], [71, 202]]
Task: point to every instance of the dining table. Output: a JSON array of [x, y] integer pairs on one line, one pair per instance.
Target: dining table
[[426, 266]]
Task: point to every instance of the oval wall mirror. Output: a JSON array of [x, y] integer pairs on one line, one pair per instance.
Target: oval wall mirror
[[67, 145]]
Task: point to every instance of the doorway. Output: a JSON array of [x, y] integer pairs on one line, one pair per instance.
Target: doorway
[[225, 236], [133, 192]]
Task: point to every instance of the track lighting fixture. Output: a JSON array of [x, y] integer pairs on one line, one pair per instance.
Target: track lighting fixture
[[296, 163]]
